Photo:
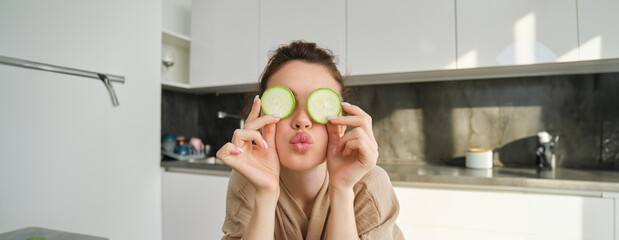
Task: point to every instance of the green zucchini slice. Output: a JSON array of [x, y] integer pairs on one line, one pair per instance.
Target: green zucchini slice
[[277, 100], [323, 102]]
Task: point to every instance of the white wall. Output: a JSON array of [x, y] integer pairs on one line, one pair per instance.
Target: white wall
[[69, 160]]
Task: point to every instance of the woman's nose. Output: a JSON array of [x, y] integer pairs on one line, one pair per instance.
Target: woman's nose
[[301, 120]]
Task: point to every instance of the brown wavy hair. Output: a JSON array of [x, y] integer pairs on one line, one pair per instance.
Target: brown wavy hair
[[301, 51]]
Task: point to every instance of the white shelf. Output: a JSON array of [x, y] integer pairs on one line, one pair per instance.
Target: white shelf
[[183, 87], [177, 47], [175, 39]]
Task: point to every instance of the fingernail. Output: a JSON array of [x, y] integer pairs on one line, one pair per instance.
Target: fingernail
[[266, 146], [256, 98], [240, 149], [345, 104], [277, 115], [334, 149], [331, 117]]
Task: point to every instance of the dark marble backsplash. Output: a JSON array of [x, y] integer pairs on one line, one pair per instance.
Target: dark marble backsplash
[[435, 122], [190, 115]]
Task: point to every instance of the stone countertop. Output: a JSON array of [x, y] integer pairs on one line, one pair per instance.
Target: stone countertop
[[199, 167], [558, 181]]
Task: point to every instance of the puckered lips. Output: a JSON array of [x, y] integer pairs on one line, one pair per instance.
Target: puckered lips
[[301, 142]]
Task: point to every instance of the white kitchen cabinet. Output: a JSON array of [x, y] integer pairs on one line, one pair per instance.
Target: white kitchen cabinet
[[224, 43], [597, 26], [460, 214], [322, 21], [194, 206], [175, 43], [401, 36], [514, 32]]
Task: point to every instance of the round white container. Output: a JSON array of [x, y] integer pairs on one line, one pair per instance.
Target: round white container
[[479, 158]]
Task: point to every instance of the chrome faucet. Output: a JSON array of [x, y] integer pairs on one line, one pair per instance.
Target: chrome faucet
[[221, 114]]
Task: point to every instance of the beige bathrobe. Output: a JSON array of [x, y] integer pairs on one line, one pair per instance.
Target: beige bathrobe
[[376, 209]]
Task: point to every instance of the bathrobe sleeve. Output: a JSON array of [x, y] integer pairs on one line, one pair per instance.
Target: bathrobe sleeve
[[239, 206], [376, 207]]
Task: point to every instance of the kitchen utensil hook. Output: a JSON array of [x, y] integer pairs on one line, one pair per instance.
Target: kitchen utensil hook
[[110, 89]]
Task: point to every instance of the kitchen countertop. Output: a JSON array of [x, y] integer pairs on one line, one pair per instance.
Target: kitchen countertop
[[192, 166], [557, 181]]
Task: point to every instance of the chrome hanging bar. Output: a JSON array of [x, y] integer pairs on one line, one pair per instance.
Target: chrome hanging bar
[[105, 78]]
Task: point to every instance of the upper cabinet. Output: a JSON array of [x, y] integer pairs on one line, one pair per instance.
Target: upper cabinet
[[176, 16], [175, 42], [224, 44], [515, 32], [401, 36], [405, 41], [321, 21], [598, 31]]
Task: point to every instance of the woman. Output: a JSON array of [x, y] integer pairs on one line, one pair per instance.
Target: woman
[[304, 180]]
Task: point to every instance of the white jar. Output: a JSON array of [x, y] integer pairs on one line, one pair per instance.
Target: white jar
[[479, 158]]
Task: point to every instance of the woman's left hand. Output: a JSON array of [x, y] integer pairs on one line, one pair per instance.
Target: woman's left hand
[[351, 155]]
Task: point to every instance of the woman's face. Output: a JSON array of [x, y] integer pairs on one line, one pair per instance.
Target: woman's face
[[301, 142]]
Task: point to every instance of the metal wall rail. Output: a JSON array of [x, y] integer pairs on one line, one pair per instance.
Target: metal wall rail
[[105, 78]]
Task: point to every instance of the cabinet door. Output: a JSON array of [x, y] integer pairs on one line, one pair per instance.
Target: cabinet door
[[454, 214], [597, 25], [401, 36], [321, 21], [513, 32], [194, 206], [224, 43]]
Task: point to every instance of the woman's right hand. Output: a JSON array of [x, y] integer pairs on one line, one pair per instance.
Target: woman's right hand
[[258, 163]]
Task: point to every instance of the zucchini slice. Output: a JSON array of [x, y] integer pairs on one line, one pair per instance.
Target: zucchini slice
[[277, 100], [323, 102]]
